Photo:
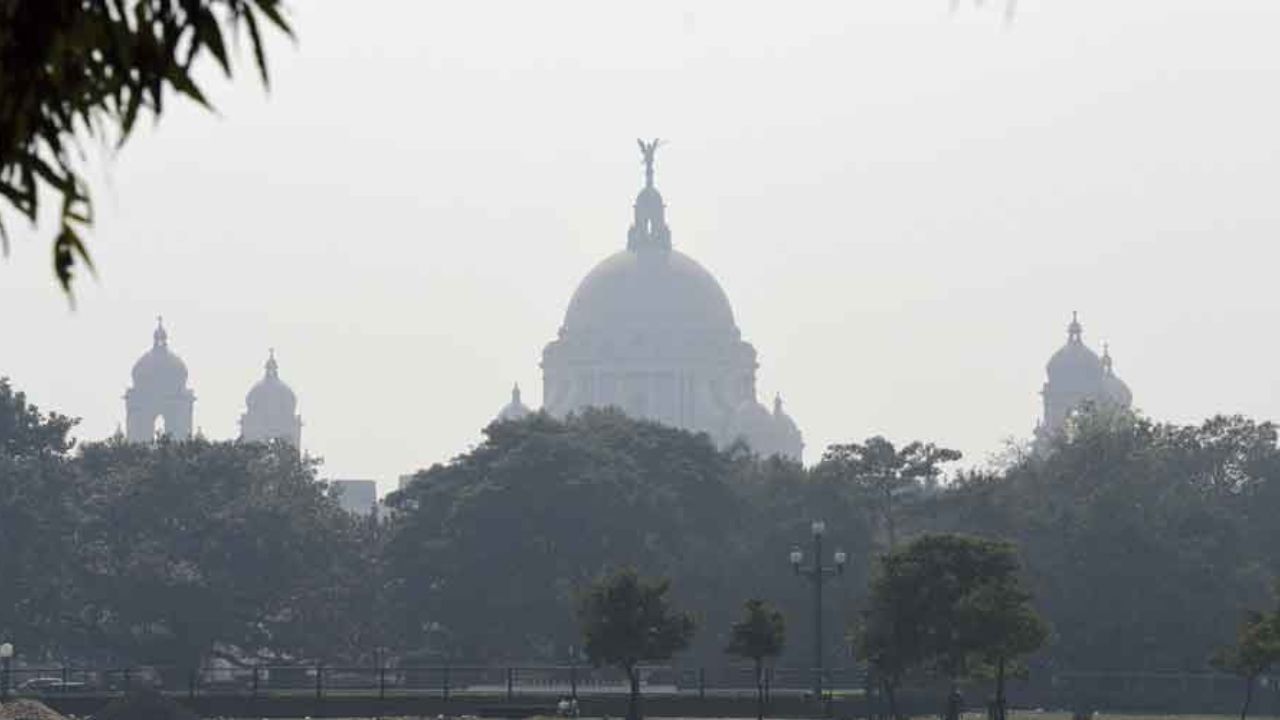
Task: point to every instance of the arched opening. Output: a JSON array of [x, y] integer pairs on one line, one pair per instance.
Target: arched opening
[[159, 429]]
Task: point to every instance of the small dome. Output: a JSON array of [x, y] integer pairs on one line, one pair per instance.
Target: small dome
[[514, 410], [160, 368], [782, 419], [1115, 389], [271, 393]]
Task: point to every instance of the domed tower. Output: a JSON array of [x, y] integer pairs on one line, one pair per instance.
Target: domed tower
[[159, 392], [790, 439], [1116, 390], [271, 409], [1077, 376], [514, 410], [651, 332]]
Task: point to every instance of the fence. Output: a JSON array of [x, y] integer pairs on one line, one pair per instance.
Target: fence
[[1147, 691], [444, 681]]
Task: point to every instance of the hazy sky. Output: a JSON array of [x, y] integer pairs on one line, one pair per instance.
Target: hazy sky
[[903, 203]]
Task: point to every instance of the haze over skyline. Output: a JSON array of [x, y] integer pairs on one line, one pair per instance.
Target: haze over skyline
[[903, 203]]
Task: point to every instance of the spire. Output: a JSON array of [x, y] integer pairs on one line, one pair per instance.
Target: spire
[[649, 228], [273, 369], [1074, 330], [1106, 359], [160, 336], [777, 403], [515, 394]]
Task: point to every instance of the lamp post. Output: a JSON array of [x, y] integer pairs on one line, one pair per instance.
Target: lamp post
[[816, 573], [6, 655]]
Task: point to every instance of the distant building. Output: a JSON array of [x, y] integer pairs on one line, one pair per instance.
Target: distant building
[[1078, 377], [650, 331], [516, 409], [359, 497], [271, 409], [159, 393]]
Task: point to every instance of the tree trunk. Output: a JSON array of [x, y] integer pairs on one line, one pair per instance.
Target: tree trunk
[[953, 701], [633, 702], [891, 695], [888, 519], [1248, 696], [1000, 701], [759, 688]]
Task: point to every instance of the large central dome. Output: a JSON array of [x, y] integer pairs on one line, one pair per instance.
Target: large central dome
[[651, 332], [649, 288]]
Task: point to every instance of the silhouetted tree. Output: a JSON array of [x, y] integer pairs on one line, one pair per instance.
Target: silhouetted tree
[[495, 547], [41, 511], [1256, 649], [997, 618], [627, 620], [883, 474], [198, 549], [946, 602], [760, 634]]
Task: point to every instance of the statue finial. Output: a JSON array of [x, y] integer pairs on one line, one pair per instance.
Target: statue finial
[[648, 150], [160, 336]]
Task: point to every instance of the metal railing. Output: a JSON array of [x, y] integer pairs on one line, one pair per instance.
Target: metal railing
[[444, 681]]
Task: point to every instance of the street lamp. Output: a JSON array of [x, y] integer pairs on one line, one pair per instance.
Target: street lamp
[[816, 573], [6, 655]]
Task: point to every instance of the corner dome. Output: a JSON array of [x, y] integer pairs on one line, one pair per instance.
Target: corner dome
[[514, 410], [1115, 389], [160, 367], [785, 424], [649, 288], [271, 392]]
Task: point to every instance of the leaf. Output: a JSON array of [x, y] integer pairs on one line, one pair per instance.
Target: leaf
[[259, 52]]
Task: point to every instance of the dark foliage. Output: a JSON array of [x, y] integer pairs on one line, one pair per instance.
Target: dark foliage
[[72, 70]]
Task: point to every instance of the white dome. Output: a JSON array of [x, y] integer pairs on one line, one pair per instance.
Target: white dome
[[514, 410], [271, 393], [648, 288], [160, 368]]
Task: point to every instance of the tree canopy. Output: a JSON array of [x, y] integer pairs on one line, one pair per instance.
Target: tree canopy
[[760, 634], [947, 604], [627, 620]]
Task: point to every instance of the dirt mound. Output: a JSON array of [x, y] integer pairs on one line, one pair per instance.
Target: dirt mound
[[27, 710]]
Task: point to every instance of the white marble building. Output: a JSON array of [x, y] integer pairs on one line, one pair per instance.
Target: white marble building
[[650, 331]]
